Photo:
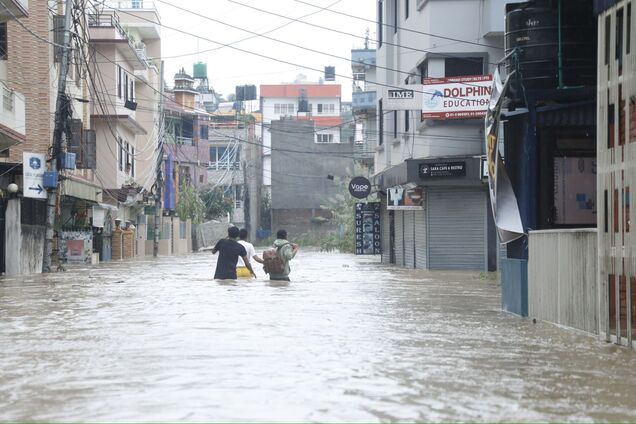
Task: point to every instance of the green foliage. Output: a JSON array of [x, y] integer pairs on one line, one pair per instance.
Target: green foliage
[[215, 204], [190, 204], [266, 212], [342, 205]]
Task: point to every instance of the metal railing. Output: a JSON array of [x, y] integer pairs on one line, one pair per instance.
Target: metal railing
[[131, 4], [185, 141], [111, 20]]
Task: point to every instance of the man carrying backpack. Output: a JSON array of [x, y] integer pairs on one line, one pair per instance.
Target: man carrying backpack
[[276, 260]]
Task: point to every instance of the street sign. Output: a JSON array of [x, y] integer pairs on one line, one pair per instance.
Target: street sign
[[33, 167]]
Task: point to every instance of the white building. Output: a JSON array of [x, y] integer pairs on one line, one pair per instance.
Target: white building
[[417, 40]]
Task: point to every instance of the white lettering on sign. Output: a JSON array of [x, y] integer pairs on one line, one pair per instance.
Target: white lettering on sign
[[359, 187], [401, 94]]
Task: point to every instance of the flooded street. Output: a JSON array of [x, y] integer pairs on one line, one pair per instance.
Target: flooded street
[[347, 340]]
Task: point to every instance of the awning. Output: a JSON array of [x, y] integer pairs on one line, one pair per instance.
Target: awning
[[81, 190], [108, 207], [572, 114]]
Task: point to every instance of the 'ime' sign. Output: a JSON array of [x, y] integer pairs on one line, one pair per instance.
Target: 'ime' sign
[[403, 97], [457, 97]]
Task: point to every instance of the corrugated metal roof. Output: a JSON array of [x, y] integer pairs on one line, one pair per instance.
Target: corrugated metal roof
[[573, 114]]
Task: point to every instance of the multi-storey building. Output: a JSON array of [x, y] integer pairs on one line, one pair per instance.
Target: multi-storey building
[[12, 117], [616, 170], [436, 220], [125, 88], [364, 103], [317, 102]]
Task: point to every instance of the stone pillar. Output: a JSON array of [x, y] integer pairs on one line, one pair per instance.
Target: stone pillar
[[13, 238]]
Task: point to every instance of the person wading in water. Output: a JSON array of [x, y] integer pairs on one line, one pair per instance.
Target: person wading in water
[[241, 270], [229, 252]]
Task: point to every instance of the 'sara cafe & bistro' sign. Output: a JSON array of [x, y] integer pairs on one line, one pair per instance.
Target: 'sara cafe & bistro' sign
[[456, 97]]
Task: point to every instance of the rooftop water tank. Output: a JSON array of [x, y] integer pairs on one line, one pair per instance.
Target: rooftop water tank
[[533, 28], [200, 70]]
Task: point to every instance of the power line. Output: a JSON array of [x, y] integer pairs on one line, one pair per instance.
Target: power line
[[260, 54], [348, 59], [364, 38], [399, 27]]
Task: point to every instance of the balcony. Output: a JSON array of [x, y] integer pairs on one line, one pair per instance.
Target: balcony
[[139, 14], [12, 118], [363, 100], [105, 28], [14, 9]]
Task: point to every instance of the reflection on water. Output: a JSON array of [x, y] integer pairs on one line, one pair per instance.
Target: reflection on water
[[347, 339]]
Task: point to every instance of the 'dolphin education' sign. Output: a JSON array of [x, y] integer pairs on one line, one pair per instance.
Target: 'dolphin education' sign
[[359, 187]]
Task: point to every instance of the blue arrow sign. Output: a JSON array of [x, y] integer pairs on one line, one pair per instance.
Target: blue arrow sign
[[39, 189]]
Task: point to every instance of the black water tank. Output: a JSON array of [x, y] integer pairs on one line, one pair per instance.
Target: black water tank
[[533, 28]]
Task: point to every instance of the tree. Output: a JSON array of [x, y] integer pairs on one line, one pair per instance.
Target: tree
[[190, 205], [215, 203]]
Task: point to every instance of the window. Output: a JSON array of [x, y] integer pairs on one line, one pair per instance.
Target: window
[[616, 210], [380, 123], [395, 124], [223, 158], [132, 161], [201, 179], [121, 153], [605, 209], [284, 109], [395, 16], [626, 201], [205, 132], [131, 95], [7, 99], [463, 66], [610, 126], [608, 35], [324, 138], [406, 9], [618, 52], [127, 152], [4, 48], [407, 122], [277, 109], [628, 29], [319, 108], [621, 116], [125, 86], [380, 23], [119, 81]]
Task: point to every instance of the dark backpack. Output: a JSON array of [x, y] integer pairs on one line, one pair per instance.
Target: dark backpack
[[272, 262]]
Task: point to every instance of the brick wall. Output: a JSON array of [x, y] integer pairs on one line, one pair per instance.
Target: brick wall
[[29, 72]]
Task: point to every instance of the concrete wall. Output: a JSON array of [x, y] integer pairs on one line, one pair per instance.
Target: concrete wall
[[562, 283], [299, 222], [210, 232], [32, 249], [299, 180]]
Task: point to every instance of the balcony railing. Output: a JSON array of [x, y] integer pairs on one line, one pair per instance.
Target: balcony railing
[[186, 141], [111, 20]]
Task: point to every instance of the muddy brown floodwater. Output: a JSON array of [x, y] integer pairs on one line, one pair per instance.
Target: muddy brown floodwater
[[347, 340]]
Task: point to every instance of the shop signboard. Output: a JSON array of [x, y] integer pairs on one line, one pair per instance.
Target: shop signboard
[[456, 97], [402, 97], [442, 169], [359, 187], [33, 167], [405, 199], [368, 229]]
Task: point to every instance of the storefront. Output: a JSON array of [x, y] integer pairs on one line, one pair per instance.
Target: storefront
[[436, 215]]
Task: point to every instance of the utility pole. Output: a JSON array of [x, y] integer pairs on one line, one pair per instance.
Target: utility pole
[[61, 115], [159, 180]]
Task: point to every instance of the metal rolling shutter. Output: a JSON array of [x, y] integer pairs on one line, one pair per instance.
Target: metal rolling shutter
[[386, 234], [457, 233], [409, 239], [420, 239], [399, 238]]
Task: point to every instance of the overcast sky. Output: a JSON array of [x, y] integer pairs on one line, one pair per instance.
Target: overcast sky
[[228, 67]]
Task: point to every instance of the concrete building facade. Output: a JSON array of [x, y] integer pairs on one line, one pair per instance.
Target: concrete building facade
[[450, 226]]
